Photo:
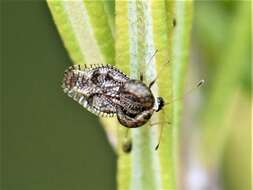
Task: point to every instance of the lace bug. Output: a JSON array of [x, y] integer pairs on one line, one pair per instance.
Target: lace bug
[[106, 91]]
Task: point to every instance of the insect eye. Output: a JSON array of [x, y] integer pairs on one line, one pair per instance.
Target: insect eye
[[160, 103], [147, 117]]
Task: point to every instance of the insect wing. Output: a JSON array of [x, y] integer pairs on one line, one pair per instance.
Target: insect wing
[[94, 87]]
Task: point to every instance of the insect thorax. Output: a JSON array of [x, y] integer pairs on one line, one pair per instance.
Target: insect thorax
[[135, 97]]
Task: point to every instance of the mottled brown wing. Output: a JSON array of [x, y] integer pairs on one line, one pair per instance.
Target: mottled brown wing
[[94, 87]]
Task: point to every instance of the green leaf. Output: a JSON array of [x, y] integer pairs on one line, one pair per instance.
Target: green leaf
[[89, 40]]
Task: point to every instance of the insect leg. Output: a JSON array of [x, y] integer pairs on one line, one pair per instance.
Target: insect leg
[[158, 123], [135, 122], [159, 140], [160, 134]]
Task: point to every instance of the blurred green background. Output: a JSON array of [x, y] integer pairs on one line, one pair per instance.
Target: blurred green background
[[219, 119], [49, 142]]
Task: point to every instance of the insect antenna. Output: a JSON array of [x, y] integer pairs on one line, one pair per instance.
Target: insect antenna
[[160, 134], [199, 84], [141, 75], [153, 81], [152, 56]]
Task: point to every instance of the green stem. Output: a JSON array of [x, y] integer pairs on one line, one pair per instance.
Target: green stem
[[88, 40], [142, 27], [180, 58]]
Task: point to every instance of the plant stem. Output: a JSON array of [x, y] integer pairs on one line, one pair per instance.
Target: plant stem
[[141, 28]]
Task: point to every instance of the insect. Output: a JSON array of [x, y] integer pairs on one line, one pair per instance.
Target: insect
[[106, 91]]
